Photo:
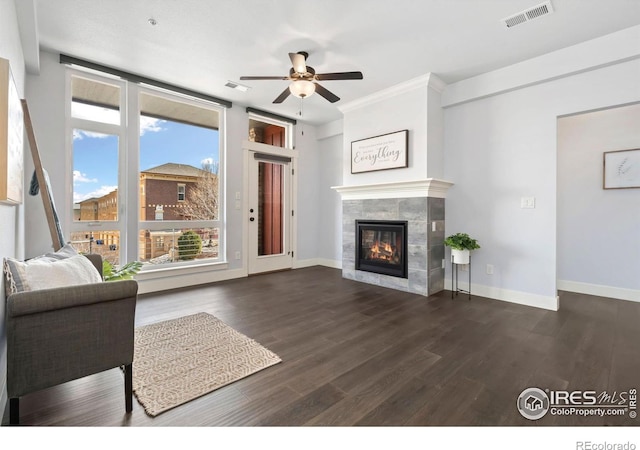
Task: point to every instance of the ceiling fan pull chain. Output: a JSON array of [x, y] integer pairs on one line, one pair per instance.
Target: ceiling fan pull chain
[[302, 124]]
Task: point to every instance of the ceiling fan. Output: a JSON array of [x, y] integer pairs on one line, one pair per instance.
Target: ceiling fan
[[304, 79]]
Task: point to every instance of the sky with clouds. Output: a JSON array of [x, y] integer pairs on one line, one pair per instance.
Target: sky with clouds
[[95, 155]]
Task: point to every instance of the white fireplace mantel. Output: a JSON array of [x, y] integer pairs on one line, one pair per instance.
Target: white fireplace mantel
[[430, 187]]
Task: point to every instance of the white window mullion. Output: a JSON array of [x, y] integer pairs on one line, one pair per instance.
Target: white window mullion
[[98, 127], [221, 223], [131, 202]]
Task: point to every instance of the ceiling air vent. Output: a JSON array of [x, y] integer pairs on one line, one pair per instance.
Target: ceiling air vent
[[534, 12], [238, 86]]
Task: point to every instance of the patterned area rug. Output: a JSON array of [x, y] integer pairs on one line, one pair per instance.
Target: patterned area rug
[[181, 359]]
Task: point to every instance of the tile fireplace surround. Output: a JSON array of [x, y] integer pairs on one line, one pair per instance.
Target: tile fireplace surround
[[421, 203]]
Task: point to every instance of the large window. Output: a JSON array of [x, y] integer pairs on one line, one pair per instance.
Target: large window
[[146, 173], [179, 180]]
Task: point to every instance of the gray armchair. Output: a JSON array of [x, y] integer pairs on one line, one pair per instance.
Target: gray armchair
[[58, 335]]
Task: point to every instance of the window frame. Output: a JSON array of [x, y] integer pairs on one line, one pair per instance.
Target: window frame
[[192, 224], [118, 130], [288, 127], [129, 224]]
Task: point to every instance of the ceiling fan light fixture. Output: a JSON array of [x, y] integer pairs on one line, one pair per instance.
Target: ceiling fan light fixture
[[302, 88], [304, 80]]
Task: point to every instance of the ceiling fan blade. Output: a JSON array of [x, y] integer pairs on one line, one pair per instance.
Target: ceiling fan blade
[[280, 98], [298, 61], [339, 76], [264, 78], [327, 94]]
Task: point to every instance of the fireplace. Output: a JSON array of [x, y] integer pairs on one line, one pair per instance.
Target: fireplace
[[381, 247]]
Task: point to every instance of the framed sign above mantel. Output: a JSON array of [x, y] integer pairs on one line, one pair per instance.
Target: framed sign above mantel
[[387, 151]]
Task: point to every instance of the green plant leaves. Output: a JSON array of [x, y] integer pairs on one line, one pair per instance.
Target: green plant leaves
[[126, 272], [461, 241]]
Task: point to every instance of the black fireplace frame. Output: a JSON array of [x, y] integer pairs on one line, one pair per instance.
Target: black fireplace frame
[[394, 270]]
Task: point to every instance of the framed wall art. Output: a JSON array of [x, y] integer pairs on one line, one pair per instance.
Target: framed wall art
[[621, 169], [388, 151], [11, 138]]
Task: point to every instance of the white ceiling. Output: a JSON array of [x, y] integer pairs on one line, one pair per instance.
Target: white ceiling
[[201, 44]]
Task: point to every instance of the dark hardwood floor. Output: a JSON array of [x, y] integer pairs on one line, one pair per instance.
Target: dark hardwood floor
[[355, 354]]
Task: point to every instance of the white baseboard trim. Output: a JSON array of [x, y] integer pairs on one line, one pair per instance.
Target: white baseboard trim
[[334, 264], [186, 280], [599, 290], [506, 295]]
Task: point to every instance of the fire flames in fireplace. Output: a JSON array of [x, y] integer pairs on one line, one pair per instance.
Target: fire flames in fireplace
[[384, 251]]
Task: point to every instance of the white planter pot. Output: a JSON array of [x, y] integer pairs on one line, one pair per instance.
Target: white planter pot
[[460, 256]]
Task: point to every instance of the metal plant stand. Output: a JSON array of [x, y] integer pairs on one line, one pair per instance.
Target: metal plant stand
[[454, 274]]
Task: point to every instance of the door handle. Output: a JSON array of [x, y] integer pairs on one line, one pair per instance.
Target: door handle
[[252, 219]]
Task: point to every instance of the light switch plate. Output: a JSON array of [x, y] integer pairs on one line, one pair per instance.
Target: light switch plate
[[528, 202]]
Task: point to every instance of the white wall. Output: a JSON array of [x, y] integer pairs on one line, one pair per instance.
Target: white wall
[[237, 130], [503, 147], [405, 111], [307, 211], [11, 217], [598, 229], [330, 154], [46, 100], [435, 134]]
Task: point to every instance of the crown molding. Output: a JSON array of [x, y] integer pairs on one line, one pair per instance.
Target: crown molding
[[430, 187], [436, 83], [429, 80]]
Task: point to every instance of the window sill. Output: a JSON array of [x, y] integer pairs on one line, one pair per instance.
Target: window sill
[[148, 274]]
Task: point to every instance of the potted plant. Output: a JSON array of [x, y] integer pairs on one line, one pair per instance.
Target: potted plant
[[461, 244]]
